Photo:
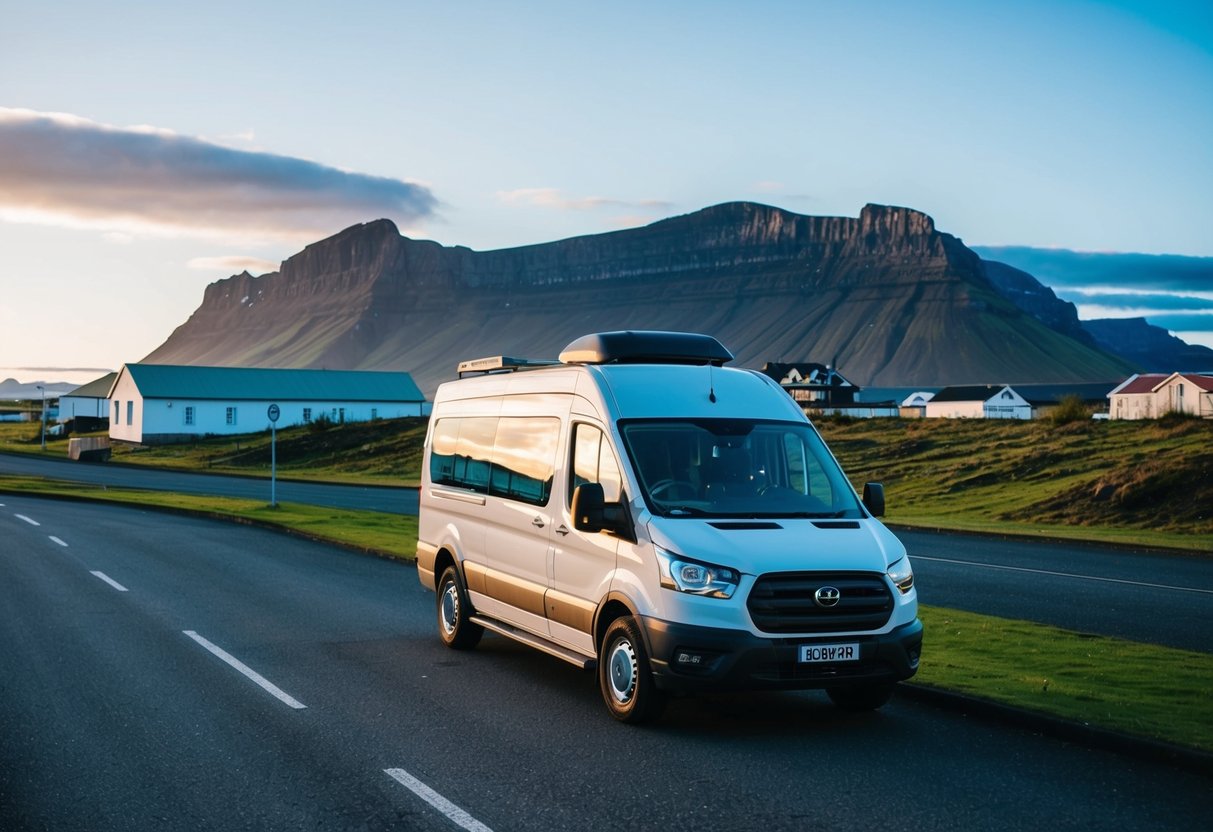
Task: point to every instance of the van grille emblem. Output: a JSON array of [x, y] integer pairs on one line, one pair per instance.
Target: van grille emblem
[[827, 596]]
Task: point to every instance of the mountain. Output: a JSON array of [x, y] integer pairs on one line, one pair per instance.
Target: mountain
[[11, 389], [1155, 349], [1177, 286], [1039, 301], [885, 296]]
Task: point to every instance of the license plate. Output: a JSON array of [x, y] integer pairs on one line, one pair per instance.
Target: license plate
[[829, 653]]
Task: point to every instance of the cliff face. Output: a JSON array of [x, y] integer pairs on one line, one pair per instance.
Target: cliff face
[[898, 302]]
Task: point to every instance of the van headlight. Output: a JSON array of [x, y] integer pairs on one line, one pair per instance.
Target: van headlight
[[902, 575], [696, 578]]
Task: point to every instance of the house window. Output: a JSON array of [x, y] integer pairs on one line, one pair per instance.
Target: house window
[[231, 415], [130, 413], [307, 414], [189, 415], [117, 410], [374, 413], [341, 415]]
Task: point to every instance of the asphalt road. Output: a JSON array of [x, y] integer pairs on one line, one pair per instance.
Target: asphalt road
[[367, 498], [1149, 597], [1155, 598], [116, 714]]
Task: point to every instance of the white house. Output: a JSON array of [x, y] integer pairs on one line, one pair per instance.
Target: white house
[[87, 401], [157, 403], [984, 401], [1150, 395]]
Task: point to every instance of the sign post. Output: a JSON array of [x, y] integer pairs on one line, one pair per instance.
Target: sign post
[[273, 413]]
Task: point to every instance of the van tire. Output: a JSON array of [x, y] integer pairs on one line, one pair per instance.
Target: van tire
[[624, 675], [861, 697], [455, 627]]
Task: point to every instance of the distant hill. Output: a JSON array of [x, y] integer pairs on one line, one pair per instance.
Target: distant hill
[[1155, 349], [888, 297], [11, 389], [1148, 344]]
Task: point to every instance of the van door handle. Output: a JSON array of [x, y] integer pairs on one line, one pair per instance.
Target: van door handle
[[562, 530], [537, 522]]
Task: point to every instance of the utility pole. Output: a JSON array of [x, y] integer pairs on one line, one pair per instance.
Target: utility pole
[[43, 389]]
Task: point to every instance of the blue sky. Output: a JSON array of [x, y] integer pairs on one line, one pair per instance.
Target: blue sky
[[147, 149]]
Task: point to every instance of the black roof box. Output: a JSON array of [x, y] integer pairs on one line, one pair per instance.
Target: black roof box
[[645, 347]]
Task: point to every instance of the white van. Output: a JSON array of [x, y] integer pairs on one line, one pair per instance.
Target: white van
[[679, 526]]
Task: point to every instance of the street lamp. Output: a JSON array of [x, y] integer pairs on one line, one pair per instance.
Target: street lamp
[[43, 389]]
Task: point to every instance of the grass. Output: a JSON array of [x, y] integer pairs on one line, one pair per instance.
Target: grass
[[1141, 483], [1139, 689], [1143, 690]]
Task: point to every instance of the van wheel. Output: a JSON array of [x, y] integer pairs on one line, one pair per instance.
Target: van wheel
[[454, 613], [861, 697], [624, 675]]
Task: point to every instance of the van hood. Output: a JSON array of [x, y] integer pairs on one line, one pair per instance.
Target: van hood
[[754, 547]]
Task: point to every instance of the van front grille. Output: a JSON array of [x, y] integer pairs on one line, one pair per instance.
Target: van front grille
[[786, 602]]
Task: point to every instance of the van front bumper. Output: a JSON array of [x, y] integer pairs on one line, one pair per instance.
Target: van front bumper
[[687, 658]]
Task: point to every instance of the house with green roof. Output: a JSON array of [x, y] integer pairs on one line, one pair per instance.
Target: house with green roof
[[88, 401], [159, 403]]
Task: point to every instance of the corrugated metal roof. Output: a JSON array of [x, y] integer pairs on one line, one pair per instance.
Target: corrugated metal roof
[[97, 389], [171, 381], [1143, 383]]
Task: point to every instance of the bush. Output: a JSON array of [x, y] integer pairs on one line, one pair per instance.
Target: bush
[[321, 423], [1070, 409]]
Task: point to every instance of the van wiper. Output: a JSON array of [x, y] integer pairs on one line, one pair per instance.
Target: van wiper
[[806, 515]]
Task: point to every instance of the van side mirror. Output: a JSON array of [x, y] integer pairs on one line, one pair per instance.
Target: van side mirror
[[873, 498], [589, 506]]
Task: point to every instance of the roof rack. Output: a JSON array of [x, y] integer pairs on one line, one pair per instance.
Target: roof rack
[[501, 364]]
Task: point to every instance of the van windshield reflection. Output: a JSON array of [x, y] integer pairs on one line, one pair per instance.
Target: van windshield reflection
[[737, 468]]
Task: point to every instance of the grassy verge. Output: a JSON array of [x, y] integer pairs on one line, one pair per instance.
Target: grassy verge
[[1139, 689], [394, 535]]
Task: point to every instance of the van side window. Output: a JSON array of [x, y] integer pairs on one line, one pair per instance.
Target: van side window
[[524, 459], [593, 461], [508, 457]]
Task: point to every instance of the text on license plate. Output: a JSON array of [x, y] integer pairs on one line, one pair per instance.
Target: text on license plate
[[829, 652]]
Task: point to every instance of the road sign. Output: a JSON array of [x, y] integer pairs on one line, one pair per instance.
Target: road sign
[[273, 413]]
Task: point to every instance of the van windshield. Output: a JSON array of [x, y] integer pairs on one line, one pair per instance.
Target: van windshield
[[737, 468]]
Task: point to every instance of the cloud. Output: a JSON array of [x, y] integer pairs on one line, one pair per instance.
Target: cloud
[[1153, 301], [61, 169], [233, 264], [553, 198], [1061, 268]]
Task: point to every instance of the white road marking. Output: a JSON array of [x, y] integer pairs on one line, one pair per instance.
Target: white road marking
[[57, 540], [110, 581], [1064, 574], [29, 520], [452, 812], [271, 688]]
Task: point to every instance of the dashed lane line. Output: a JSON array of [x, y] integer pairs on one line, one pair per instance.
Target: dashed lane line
[[275, 691], [57, 540], [110, 581], [452, 812], [29, 520]]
